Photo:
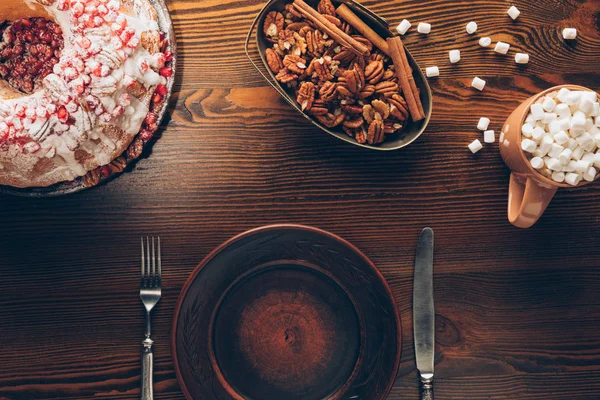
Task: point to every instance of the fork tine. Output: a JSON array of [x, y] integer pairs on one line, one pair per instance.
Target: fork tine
[[153, 260], [159, 260], [142, 240], [147, 258]]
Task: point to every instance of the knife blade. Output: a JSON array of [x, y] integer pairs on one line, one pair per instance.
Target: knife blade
[[424, 312]]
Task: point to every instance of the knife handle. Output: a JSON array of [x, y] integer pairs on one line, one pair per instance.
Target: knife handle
[[426, 389]]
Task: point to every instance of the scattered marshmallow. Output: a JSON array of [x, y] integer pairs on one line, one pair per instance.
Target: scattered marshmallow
[[489, 136], [454, 56], [478, 83], [501, 47], [403, 27], [432, 72], [537, 162], [573, 179], [513, 12], [484, 122], [558, 176], [424, 28], [485, 41], [471, 28], [521, 58], [569, 33], [475, 146]]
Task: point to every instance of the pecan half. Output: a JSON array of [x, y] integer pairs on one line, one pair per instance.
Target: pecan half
[[367, 91], [352, 109], [305, 30], [315, 42], [398, 107], [286, 39], [135, 148], [273, 60], [376, 133], [353, 123], [274, 23], [319, 107], [328, 91], [390, 126], [389, 74], [361, 136], [285, 76], [331, 120], [300, 47], [295, 64], [292, 13], [365, 41], [297, 26], [387, 88], [345, 56], [326, 7], [118, 164], [92, 178], [334, 20], [353, 80], [374, 72], [380, 108], [319, 69], [306, 95]]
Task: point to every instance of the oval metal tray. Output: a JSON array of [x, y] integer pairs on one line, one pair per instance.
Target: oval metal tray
[[62, 188]]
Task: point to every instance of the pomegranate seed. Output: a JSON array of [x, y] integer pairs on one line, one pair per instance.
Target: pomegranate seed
[[150, 118], [105, 171], [167, 72], [62, 114], [157, 99], [168, 55], [161, 89], [145, 135]]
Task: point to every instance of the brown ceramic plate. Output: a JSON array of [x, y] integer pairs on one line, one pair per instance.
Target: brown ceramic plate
[[255, 50], [286, 312]]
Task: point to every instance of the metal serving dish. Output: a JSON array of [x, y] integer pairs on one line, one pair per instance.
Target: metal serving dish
[[76, 185], [255, 50]]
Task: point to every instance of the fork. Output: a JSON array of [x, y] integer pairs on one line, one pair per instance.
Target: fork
[[150, 294]]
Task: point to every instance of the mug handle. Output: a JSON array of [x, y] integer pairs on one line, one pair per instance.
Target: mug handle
[[527, 201]]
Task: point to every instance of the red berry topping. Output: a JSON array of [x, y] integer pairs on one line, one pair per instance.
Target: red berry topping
[[167, 72], [161, 89]]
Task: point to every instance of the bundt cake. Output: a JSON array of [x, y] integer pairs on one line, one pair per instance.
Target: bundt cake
[[77, 81]]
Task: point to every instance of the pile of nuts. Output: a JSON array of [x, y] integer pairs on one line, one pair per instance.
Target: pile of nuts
[[29, 50], [331, 83]]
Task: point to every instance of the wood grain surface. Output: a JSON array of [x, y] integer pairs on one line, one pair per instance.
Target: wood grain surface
[[518, 312]]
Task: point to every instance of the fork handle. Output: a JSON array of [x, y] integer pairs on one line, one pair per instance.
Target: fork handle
[[147, 369]]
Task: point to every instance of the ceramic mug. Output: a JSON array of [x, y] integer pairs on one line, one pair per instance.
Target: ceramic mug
[[529, 192]]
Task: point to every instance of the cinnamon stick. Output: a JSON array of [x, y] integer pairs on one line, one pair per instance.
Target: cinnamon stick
[[348, 15], [404, 73], [333, 31]]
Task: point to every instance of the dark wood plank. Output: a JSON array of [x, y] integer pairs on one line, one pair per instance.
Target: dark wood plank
[[517, 310]]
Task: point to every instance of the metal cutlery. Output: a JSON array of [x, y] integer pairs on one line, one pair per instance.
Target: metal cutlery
[[150, 292], [424, 312]]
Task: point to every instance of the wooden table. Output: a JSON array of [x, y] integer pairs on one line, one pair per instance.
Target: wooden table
[[518, 312]]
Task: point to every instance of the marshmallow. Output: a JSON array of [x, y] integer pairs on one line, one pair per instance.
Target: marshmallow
[[513, 12], [549, 117], [538, 153], [590, 147], [485, 41], [586, 106], [484, 122], [554, 127], [432, 72], [527, 145], [537, 111], [569, 33], [597, 121], [562, 95], [595, 109], [589, 157], [501, 47], [546, 145], [478, 83], [537, 162], [548, 104], [597, 160], [573, 98], [476, 146], [572, 179], [562, 138], [587, 95], [562, 110], [565, 156], [403, 27], [471, 28], [585, 139], [555, 150], [582, 166], [489, 136], [553, 164], [570, 167], [454, 56], [424, 27], [540, 124], [538, 133], [526, 129], [521, 58], [564, 124], [578, 120], [578, 153], [558, 176], [590, 174], [572, 144]]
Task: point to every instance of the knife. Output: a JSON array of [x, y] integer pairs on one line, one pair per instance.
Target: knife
[[424, 312]]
